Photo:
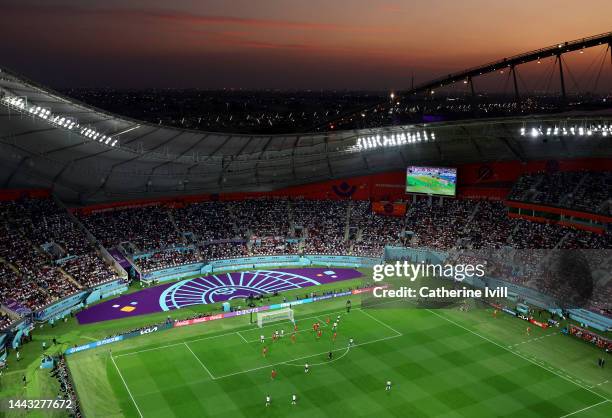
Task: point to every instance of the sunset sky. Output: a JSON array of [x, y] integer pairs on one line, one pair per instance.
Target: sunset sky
[[354, 44]]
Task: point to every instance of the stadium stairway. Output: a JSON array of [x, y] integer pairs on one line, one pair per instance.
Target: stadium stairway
[[69, 277]]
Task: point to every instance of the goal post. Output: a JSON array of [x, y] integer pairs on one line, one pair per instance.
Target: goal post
[[273, 316]]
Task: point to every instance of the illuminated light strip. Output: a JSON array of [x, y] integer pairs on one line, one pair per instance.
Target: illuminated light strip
[[604, 129], [64, 122], [370, 142]]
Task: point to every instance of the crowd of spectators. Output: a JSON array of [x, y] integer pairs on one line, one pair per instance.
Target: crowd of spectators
[[263, 217], [5, 320], [62, 374], [167, 259], [322, 224], [281, 226], [148, 228], [580, 190], [89, 270], [46, 255], [44, 222], [223, 250], [167, 237], [207, 221], [375, 231], [28, 277], [438, 224]]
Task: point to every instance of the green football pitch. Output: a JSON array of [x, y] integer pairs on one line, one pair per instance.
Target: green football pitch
[[441, 363]]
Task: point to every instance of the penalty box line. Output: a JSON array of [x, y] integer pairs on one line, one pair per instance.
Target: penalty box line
[[381, 322], [200, 361], [518, 355], [288, 362], [584, 409]]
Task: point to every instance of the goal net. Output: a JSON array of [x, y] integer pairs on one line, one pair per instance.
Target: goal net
[[272, 316]]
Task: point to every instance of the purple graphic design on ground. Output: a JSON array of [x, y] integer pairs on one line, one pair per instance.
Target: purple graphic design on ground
[[213, 288]]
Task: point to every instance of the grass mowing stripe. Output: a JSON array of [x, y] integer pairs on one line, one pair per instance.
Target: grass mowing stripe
[[519, 355], [126, 386], [200, 361], [584, 409]]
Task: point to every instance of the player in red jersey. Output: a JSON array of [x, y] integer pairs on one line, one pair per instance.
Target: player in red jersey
[[528, 331], [264, 351], [327, 320], [293, 338], [319, 333], [273, 374], [334, 336]]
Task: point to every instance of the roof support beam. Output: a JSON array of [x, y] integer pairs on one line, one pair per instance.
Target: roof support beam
[[14, 172]]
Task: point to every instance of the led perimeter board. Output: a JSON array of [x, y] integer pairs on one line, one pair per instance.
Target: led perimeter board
[[431, 180]]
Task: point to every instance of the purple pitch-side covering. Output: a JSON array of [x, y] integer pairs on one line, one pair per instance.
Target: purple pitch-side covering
[[210, 289]]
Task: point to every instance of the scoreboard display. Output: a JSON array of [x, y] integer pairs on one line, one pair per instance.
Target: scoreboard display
[[431, 180]]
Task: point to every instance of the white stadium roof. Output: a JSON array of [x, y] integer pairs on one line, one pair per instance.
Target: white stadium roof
[[87, 155]]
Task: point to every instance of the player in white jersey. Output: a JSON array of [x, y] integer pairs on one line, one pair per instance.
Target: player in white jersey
[[268, 400], [293, 399]]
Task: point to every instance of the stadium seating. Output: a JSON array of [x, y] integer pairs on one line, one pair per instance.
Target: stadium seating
[[579, 190], [45, 255]]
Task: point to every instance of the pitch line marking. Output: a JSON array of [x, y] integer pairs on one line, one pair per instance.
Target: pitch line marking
[[241, 336], [200, 361], [126, 386], [535, 339], [599, 384], [518, 355], [584, 409], [322, 362], [381, 322]]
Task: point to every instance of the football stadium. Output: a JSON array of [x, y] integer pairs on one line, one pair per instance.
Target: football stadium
[[443, 249]]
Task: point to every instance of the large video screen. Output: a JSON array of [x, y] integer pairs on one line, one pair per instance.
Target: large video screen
[[431, 180]]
